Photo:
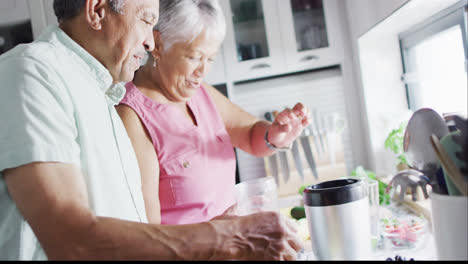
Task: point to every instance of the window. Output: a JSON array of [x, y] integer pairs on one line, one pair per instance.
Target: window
[[435, 62]]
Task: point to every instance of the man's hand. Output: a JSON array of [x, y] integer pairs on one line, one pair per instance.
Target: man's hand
[[264, 236]]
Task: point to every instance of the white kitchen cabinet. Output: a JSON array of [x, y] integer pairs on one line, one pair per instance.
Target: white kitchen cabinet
[[217, 74], [271, 37], [264, 38], [252, 47], [311, 33]]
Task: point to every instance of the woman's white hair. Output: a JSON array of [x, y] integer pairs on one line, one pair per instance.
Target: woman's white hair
[[185, 20]]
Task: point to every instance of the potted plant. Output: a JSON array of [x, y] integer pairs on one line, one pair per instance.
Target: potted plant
[[394, 142]]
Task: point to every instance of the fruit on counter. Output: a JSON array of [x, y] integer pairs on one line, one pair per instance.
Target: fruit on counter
[[298, 212], [403, 233], [301, 190]]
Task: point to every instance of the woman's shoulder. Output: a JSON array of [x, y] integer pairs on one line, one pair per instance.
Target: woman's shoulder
[[205, 92], [129, 91], [134, 97]]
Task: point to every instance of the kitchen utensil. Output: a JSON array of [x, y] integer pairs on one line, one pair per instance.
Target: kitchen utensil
[[304, 139], [324, 131], [319, 131], [272, 161], [315, 135], [334, 125], [330, 132], [452, 148], [449, 167], [417, 146], [338, 217], [462, 139], [297, 159], [283, 160], [409, 179], [313, 132]]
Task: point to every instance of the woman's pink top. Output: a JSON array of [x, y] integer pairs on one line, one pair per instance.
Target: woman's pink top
[[197, 162]]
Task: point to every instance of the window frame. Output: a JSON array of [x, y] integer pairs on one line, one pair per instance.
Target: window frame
[[450, 17]]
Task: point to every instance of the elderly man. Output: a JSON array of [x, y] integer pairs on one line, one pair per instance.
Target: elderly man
[[69, 180]]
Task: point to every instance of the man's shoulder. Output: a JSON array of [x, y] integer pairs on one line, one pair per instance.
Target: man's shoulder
[[38, 50], [30, 67]]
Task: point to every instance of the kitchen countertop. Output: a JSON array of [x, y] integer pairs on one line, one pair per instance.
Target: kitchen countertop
[[426, 251]]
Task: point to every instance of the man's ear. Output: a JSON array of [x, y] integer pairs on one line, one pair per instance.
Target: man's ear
[[95, 13], [158, 45]]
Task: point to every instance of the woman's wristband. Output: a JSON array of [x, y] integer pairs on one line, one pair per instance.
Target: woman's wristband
[[272, 147]]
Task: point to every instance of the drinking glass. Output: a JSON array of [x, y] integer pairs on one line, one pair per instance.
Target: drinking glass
[[256, 195], [373, 189]]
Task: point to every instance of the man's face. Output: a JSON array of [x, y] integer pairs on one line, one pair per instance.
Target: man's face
[[129, 35]]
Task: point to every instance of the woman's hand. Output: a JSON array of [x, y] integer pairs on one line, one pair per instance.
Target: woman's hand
[[288, 125]]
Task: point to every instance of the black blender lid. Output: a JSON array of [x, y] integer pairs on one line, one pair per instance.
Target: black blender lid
[[334, 192]]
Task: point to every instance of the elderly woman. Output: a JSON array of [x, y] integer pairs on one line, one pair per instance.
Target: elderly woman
[[183, 131]]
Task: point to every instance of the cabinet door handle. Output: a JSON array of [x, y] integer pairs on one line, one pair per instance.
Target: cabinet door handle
[[260, 66], [309, 58]]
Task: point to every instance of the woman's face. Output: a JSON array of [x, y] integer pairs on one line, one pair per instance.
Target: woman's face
[[184, 66]]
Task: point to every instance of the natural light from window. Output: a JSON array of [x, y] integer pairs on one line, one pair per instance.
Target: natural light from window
[[441, 74]]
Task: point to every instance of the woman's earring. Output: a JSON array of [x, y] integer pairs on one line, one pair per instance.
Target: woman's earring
[[154, 63]]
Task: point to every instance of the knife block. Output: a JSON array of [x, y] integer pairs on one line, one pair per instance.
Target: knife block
[[328, 168]]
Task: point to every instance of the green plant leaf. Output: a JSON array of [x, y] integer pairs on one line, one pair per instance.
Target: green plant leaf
[[394, 142], [361, 173]]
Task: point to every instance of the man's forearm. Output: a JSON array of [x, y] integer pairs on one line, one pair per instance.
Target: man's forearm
[[52, 198], [113, 239]]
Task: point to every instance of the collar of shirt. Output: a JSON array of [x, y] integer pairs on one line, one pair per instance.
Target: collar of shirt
[[113, 92]]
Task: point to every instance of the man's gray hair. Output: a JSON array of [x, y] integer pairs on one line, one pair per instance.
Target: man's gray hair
[[68, 9], [184, 20]]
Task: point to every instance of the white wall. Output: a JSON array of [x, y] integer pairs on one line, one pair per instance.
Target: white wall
[[358, 17], [12, 11], [364, 14], [42, 15]]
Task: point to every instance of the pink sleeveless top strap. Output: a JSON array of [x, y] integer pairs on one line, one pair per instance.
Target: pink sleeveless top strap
[[197, 162]]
